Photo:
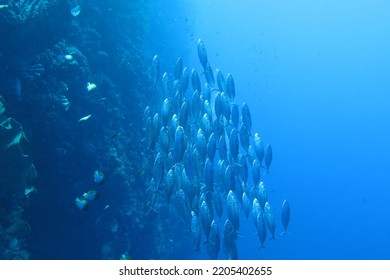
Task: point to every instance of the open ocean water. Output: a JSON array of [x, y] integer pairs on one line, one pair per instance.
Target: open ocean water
[[314, 74]]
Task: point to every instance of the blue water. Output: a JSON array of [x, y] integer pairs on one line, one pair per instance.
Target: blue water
[[315, 77]]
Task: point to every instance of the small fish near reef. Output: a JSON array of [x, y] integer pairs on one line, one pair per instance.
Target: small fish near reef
[[83, 119], [98, 177], [91, 195], [91, 86], [81, 203]]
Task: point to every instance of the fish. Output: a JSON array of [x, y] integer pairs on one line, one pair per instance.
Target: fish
[[268, 157], [179, 144], [212, 146], [202, 53], [285, 216], [234, 115], [83, 119], [155, 70], [232, 210], [262, 194], [178, 68], [269, 219], [166, 111], [195, 81], [230, 178], [208, 175], [244, 137], [214, 243], [181, 206], [256, 209], [206, 218], [217, 202], [29, 190], [158, 170], [218, 105], [91, 86], [246, 205], [259, 147], [246, 117], [243, 168], [221, 81], [169, 185], [261, 228], [98, 177], [81, 203], [222, 148], [209, 75], [233, 144], [229, 241], [91, 195], [184, 80], [256, 172], [184, 114], [165, 80], [195, 230], [230, 87], [164, 139]]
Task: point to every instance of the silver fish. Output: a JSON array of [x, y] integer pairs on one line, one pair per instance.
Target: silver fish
[[165, 80], [164, 139], [234, 144], [179, 144], [158, 170], [244, 137], [246, 116], [196, 105], [229, 241], [259, 147], [178, 68], [155, 70], [235, 115], [230, 87], [195, 80], [268, 157], [261, 228], [269, 218], [217, 202], [166, 111], [256, 172], [256, 209], [202, 53], [212, 146], [246, 205], [169, 185], [285, 216], [233, 210], [195, 230], [209, 75], [213, 245], [206, 219], [184, 80], [222, 149], [221, 81]]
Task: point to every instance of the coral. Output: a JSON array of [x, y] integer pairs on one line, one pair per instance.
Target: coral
[[21, 11]]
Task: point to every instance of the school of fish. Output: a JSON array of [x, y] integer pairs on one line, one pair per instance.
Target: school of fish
[[203, 151]]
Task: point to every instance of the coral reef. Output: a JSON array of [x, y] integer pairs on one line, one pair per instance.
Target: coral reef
[[16, 167], [21, 11], [17, 172]]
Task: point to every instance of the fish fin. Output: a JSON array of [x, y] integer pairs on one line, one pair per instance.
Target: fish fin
[[284, 233]]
